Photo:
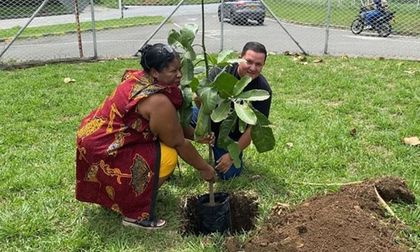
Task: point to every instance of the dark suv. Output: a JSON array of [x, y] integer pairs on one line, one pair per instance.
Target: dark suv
[[239, 11]]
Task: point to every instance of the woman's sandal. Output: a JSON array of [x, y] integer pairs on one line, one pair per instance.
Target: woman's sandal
[[144, 224]]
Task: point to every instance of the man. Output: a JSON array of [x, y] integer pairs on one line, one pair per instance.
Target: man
[[372, 15], [253, 58]]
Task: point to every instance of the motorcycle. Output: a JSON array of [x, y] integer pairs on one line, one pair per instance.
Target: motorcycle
[[381, 24]]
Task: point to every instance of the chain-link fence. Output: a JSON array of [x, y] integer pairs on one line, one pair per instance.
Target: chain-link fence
[[44, 30]]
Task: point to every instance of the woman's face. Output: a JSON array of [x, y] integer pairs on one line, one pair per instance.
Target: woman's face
[[170, 74]]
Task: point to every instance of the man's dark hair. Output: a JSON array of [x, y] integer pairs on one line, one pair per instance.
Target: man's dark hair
[[157, 56], [256, 47]]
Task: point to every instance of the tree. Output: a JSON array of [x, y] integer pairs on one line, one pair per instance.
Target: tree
[[222, 98]]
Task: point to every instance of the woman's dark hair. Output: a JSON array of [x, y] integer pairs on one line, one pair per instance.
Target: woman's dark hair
[[156, 56], [256, 47]]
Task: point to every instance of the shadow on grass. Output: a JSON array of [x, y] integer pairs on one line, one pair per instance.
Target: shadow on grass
[[105, 222]]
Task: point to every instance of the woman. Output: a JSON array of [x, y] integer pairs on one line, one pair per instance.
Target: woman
[[128, 146]]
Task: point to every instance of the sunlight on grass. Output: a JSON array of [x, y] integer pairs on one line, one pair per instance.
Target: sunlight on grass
[[315, 108]]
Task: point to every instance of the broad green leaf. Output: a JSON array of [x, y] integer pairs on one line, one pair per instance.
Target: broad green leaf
[[235, 153], [221, 112], [203, 125], [203, 83], [242, 126], [199, 70], [212, 59], [200, 57], [185, 112], [245, 113], [209, 100], [240, 85], [187, 70], [223, 139], [254, 95], [189, 53], [187, 34], [261, 134], [224, 83], [262, 119], [194, 84], [233, 61], [192, 28], [221, 57], [174, 37], [214, 73], [186, 95]]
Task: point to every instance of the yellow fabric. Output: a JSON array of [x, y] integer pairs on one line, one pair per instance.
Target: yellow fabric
[[168, 160]]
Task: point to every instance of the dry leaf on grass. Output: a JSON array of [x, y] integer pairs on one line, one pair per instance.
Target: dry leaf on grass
[[410, 72], [413, 141], [353, 132], [299, 58], [69, 80], [289, 145], [317, 61]]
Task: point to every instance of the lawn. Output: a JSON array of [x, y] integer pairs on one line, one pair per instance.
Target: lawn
[[315, 107], [60, 29]]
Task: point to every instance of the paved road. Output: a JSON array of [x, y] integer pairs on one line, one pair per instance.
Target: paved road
[[125, 42]]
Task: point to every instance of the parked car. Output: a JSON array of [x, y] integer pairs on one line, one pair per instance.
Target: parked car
[[239, 11]]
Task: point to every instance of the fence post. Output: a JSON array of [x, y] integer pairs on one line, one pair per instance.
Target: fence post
[[222, 17], [327, 28], [92, 13], [79, 34], [120, 6]]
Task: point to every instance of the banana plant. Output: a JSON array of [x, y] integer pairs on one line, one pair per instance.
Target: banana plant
[[221, 95]]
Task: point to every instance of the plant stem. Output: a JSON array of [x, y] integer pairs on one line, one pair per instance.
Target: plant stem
[[202, 39], [206, 62]]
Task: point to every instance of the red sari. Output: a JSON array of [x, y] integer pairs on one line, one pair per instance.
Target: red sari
[[118, 157]]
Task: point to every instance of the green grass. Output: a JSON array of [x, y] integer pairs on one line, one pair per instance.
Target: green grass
[[60, 29], [114, 3], [314, 107], [21, 11]]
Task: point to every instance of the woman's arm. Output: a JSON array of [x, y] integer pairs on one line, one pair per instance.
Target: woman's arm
[[164, 123], [189, 132]]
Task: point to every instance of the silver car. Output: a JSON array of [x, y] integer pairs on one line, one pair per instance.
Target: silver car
[[240, 11]]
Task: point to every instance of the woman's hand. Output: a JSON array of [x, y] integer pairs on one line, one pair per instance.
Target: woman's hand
[[224, 163], [208, 174], [208, 139]]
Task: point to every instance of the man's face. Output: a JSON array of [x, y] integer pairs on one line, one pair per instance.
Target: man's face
[[252, 64]]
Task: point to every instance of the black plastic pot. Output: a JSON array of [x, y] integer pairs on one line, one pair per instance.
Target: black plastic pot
[[215, 218]]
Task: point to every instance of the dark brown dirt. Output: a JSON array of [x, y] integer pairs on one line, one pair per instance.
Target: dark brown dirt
[[351, 219]]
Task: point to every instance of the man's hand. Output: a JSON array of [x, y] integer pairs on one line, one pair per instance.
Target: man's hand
[[208, 139], [224, 163], [197, 100]]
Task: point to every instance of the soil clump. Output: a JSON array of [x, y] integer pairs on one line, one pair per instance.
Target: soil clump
[[352, 219]]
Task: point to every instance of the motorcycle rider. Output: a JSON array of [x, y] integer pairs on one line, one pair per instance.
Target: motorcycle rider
[[372, 15]]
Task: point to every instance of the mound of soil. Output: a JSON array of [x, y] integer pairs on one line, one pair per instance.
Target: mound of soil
[[351, 219]]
